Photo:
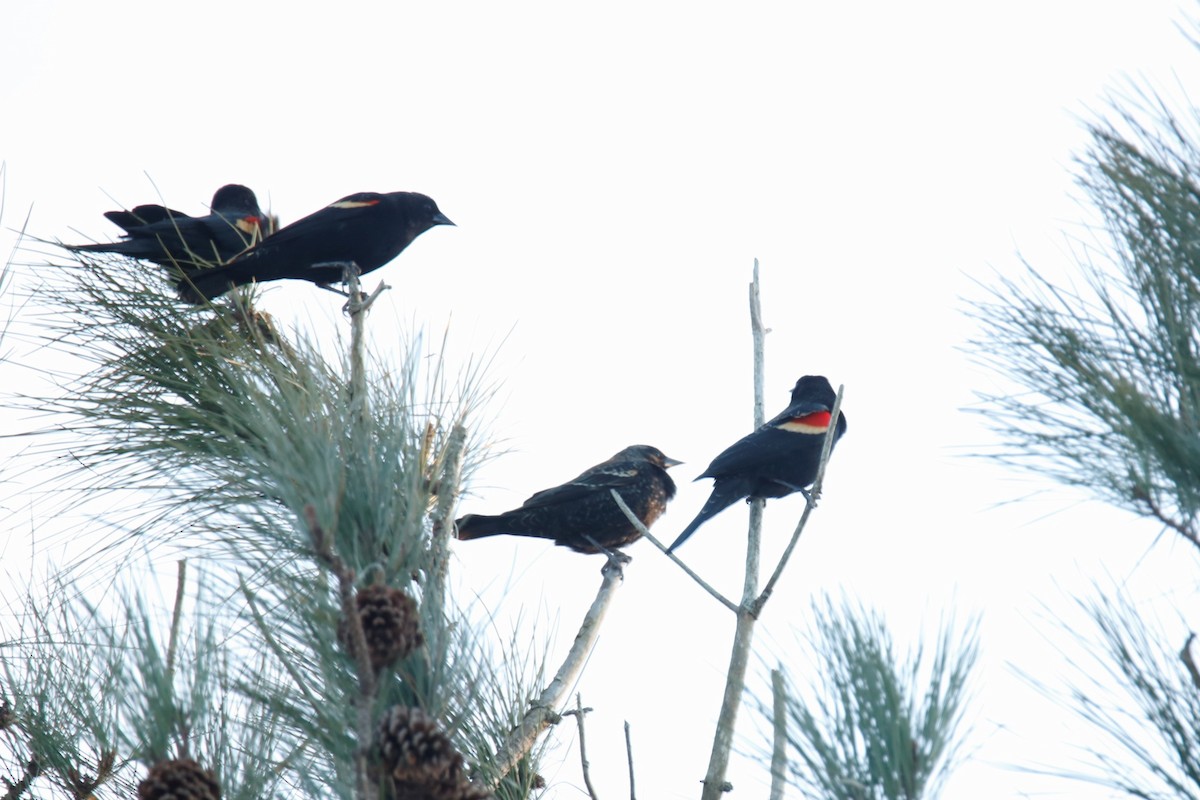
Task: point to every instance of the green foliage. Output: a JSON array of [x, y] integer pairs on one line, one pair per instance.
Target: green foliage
[[1142, 694], [1111, 370], [1110, 401], [92, 697], [872, 726], [219, 413], [244, 438]]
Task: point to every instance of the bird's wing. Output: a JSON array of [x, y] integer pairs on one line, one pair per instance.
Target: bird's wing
[[319, 220], [773, 439], [141, 216], [173, 226], [804, 417], [607, 476], [299, 229]]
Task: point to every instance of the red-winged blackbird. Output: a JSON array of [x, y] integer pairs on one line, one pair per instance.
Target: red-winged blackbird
[[779, 458], [581, 514], [174, 239], [367, 228]]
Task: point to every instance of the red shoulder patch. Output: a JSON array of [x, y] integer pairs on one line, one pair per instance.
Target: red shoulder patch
[[816, 422], [248, 224]]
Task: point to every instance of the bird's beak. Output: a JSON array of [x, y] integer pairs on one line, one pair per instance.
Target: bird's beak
[[441, 219], [669, 462]]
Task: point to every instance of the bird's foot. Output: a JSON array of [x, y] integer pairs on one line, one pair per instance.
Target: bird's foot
[[356, 305], [616, 559], [809, 498]]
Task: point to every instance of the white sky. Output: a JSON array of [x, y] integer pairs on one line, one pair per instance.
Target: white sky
[[613, 172]]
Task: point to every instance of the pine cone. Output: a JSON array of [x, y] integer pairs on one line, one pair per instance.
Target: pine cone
[[179, 779], [422, 761], [390, 623]]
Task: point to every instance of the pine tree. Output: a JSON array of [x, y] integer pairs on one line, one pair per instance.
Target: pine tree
[[312, 649], [1107, 370]]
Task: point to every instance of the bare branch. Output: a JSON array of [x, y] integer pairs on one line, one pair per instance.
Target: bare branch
[[579, 712], [542, 714], [758, 333], [176, 617], [739, 657], [629, 758], [722, 599]]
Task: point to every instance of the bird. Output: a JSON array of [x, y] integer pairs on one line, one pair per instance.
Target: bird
[[175, 240], [367, 228], [780, 457], [581, 513]]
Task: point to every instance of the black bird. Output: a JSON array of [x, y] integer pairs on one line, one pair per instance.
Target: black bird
[[176, 240], [779, 458], [367, 228], [581, 513]]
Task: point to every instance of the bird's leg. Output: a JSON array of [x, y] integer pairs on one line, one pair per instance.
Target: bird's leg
[[791, 487], [808, 496], [616, 559], [358, 301], [345, 268]]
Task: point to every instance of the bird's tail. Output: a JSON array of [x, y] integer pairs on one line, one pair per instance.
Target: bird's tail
[[477, 526], [98, 247], [723, 496]]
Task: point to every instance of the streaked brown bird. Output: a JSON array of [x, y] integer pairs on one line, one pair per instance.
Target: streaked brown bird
[[581, 513], [780, 457], [367, 228], [173, 239]]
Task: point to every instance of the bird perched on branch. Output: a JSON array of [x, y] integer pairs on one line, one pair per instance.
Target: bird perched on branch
[[175, 240], [779, 458], [581, 514], [368, 228]]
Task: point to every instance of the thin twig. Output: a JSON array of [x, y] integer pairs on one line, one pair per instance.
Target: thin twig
[[579, 712], [813, 494], [779, 742], [176, 617], [827, 445], [722, 599], [542, 714], [1156, 511], [761, 600], [629, 758]]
